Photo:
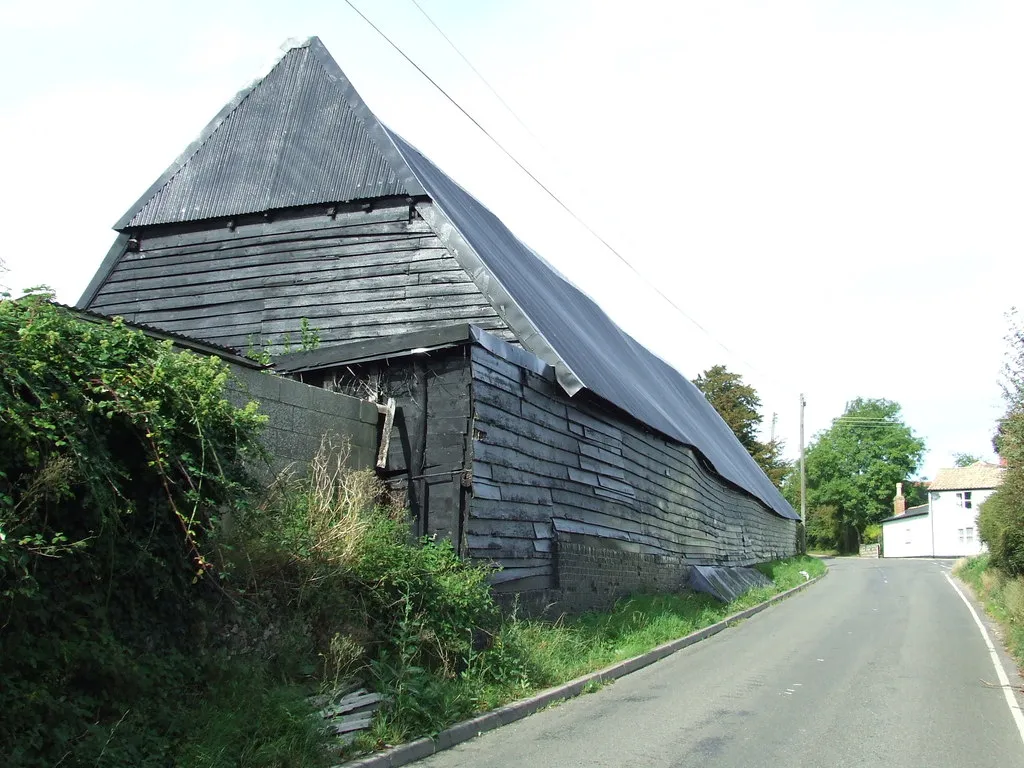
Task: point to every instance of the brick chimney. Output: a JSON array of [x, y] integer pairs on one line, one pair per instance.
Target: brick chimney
[[899, 503]]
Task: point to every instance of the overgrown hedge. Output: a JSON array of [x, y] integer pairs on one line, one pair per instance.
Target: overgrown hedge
[[156, 608], [117, 453], [1001, 518]]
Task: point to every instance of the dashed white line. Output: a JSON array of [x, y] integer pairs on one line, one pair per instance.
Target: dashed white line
[[1004, 681]]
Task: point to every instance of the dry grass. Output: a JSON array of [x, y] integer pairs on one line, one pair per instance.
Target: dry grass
[[1013, 597], [338, 498], [335, 501]]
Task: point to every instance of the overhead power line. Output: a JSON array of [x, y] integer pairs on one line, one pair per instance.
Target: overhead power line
[[476, 72], [541, 184]]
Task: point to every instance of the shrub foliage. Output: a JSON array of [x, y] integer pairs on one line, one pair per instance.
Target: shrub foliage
[[1001, 518], [117, 454]]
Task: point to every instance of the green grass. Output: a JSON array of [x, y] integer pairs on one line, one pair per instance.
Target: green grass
[[1002, 596], [529, 655], [252, 718]]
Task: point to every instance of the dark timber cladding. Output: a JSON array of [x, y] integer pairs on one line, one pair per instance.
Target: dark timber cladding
[[297, 202], [559, 487], [355, 272], [548, 467]]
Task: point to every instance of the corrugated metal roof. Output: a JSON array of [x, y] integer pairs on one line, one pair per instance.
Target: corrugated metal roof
[[287, 140], [977, 476]]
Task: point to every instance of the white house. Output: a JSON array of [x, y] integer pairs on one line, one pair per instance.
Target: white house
[[947, 526]]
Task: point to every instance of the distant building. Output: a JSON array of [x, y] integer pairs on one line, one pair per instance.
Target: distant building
[[947, 526]]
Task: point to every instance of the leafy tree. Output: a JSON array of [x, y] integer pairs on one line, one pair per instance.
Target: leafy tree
[[769, 458], [823, 527], [1001, 518], [965, 459], [854, 465], [738, 403]]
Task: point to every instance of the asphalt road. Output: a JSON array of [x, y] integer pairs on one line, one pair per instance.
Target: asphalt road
[[880, 664]]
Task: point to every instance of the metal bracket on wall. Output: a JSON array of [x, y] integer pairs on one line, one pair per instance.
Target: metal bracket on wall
[[388, 409]]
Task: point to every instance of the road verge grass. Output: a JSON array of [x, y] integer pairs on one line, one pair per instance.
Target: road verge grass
[[1002, 596], [530, 655]]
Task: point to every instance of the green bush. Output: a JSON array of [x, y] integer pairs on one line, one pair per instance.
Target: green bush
[[872, 534], [1001, 518], [356, 597], [1001, 523], [117, 455]]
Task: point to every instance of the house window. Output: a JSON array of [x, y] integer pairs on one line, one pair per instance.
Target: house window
[[963, 499], [960, 532], [969, 534]]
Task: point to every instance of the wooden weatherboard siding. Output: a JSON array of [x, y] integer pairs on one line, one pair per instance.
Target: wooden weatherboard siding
[[428, 450], [357, 273], [545, 464], [570, 497]]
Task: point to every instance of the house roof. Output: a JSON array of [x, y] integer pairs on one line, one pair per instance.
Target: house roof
[[921, 509], [302, 135], [978, 476]]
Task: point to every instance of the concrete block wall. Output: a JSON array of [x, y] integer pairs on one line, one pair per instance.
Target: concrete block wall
[[300, 416]]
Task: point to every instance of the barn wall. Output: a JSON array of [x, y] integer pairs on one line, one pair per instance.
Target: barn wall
[[571, 497], [357, 274], [427, 462], [576, 502]]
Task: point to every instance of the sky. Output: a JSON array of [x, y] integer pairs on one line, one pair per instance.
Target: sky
[[829, 192]]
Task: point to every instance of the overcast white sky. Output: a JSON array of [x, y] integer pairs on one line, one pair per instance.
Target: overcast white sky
[[831, 189]]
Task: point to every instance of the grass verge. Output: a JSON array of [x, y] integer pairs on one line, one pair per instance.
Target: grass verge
[[1002, 596], [529, 655]]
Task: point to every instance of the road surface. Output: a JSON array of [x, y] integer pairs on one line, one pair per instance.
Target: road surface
[[880, 664]]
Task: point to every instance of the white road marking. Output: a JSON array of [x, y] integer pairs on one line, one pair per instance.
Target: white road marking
[[1004, 681]]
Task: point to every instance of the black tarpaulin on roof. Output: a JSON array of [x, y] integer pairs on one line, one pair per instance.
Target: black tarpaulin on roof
[[592, 351]]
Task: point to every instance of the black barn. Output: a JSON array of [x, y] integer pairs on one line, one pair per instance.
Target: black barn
[[530, 429]]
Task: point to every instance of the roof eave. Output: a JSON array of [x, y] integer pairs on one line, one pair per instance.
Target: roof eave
[[497, 295]]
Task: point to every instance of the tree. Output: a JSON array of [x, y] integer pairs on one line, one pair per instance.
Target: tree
[[965, 459], [855, 464], [738, 403]]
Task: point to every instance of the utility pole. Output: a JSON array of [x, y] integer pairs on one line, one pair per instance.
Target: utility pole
[[803, 472], [775, 418]]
